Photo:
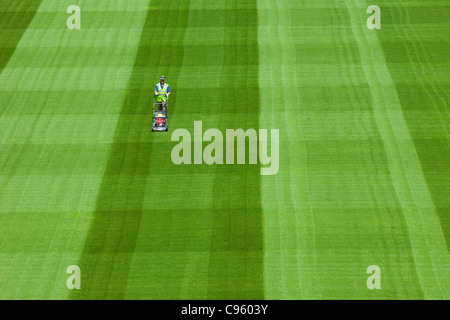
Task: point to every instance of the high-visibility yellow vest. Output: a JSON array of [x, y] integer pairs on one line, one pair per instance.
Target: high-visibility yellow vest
[[162, 90]]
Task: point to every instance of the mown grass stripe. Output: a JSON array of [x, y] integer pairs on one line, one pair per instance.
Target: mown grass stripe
[[13, 25], [193, 241], [236, 257], [334, 186], [425, 101], [290, 243], [427, 244], [111, 241], [63, 199]]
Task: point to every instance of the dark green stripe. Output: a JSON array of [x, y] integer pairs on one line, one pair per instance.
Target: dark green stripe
[[424, 95], [13, 25], [236, 258], [106, 258]]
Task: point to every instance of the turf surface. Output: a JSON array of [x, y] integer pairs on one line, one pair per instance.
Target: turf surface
[[364, 149]]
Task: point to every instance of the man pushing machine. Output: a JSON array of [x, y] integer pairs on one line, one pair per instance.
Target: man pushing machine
[[162, 92]]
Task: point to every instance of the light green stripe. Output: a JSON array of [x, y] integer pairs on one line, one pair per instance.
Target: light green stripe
[[340, 201], [290, 266], [45, 205], [427, 243]]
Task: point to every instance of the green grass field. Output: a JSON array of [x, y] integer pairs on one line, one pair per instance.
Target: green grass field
[[364, 152]]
